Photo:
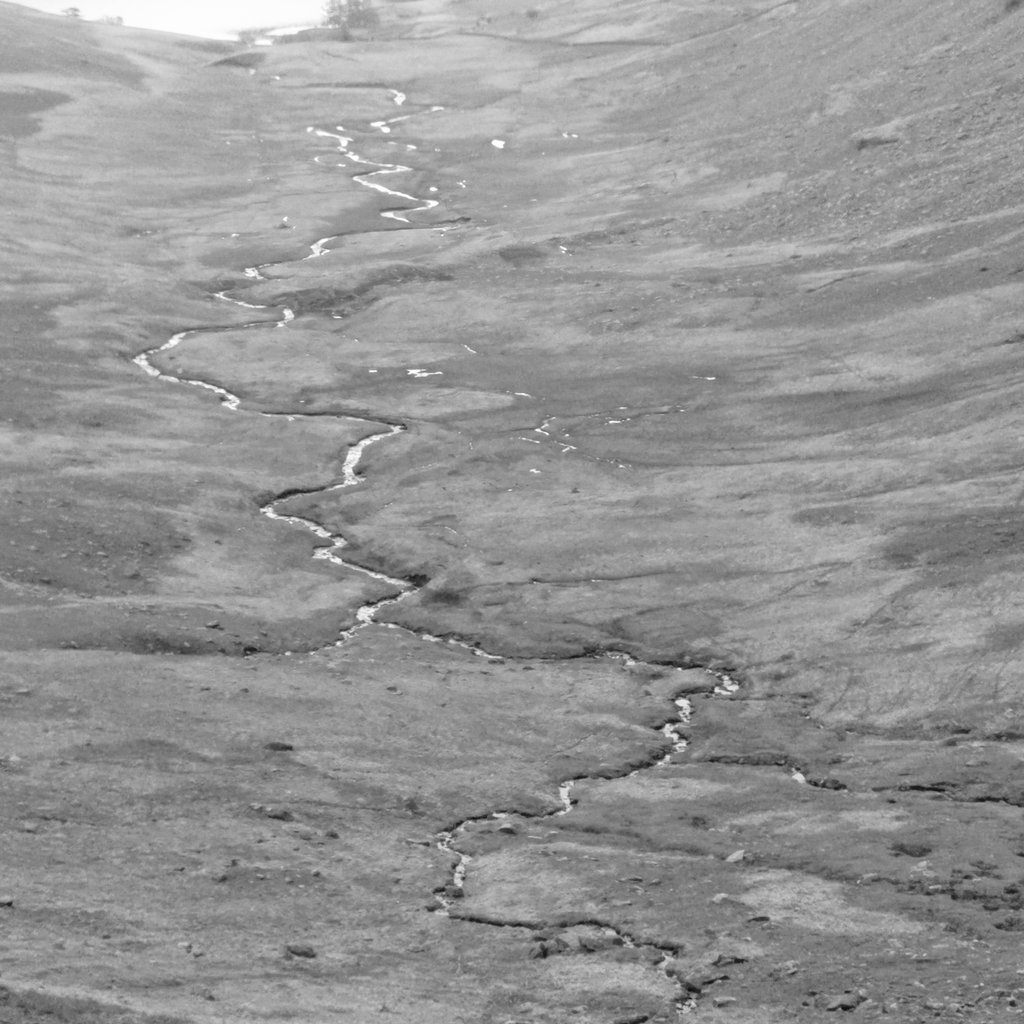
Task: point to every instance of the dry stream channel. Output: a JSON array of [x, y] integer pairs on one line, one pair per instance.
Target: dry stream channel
[[673, 729]]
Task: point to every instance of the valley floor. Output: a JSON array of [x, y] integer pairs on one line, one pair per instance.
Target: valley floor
[[513, 517]]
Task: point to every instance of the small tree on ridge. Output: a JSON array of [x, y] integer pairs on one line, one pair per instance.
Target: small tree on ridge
[[350, 14]]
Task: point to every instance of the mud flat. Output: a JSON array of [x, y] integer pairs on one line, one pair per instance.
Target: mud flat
[[514, 517]]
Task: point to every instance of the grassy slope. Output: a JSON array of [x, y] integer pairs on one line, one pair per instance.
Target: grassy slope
[[855, 453]]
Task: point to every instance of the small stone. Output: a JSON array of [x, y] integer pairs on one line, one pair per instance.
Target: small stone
[[300, 949], [724, 959], [735, 857], [278, 745], [880, 135], [279, 813], [847, 1001], [214, 625], [828, 782], [633, 1018], [507, 828], [6, 901], [721, 1001]]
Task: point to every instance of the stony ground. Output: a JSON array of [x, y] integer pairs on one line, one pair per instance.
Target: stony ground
[[706, 364]]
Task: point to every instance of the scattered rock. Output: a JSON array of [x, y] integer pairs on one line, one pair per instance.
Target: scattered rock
[[300, 949], [548, 947], [828, 782], [724, 959], [277, 813], [710, 979], [882, 135], [595, 941], [847, 1001]]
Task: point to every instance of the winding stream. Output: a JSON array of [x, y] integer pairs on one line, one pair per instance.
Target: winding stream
[[674, 731], [349, 472], [448, 840]]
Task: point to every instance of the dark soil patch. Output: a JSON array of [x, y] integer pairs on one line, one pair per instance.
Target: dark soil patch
[[17, 110]]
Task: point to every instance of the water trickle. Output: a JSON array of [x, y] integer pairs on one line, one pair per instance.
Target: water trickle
[[333, 543]]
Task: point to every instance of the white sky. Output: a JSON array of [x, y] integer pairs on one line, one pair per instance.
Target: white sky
[[217, 18]]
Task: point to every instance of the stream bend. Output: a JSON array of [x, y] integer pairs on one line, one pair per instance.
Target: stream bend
[[673, 729], [350, 477]]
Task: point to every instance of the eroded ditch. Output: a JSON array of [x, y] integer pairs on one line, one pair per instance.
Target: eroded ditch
[[447, 841]]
